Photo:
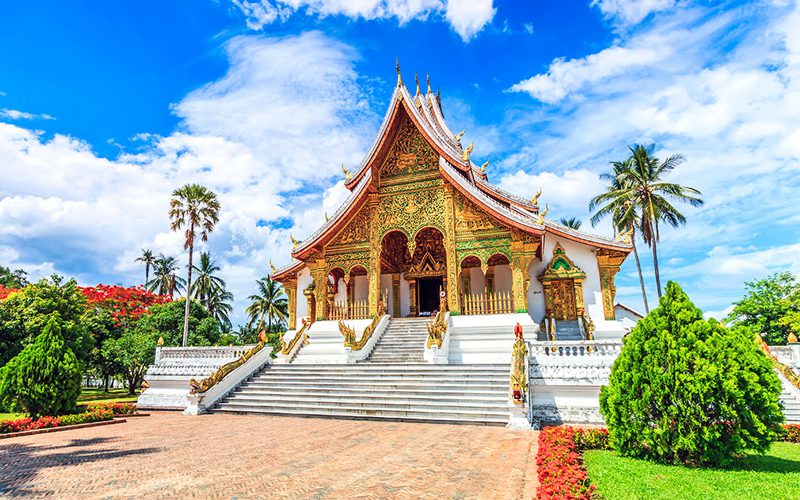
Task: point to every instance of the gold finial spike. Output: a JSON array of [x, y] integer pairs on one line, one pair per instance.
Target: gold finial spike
[[160, 341], [428, 80], [416, 79], [272, 266], [535, 199], [540, 218], [397, 67], [459, 135], [468, 151], [347, 174], [294, 241], [483, 167], [326, 217]]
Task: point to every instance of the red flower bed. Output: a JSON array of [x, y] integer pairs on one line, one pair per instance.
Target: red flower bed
[[28, 424], [561, 472], [115, 408], [123, 303], [5, 292], [792, 433]]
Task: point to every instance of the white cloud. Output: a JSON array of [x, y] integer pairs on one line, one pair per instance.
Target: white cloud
[[13, 114], [631, 12], [567, 194], [264, 137], [466, 17]]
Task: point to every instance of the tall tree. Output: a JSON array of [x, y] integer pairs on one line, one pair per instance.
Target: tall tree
[[270, 304], [652, 196], [618, 202], [572, 222], [148, 259], [209, 290], [193, 208], [165, 281]]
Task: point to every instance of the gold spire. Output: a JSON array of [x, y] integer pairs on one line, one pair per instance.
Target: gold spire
[[347, 174], [272, 266], [459, 135], [535, 199], [397, 67], [416, 79], [428, 79], [294, 241], [540, 218], [326, 217], [483, 167], [468, 151]]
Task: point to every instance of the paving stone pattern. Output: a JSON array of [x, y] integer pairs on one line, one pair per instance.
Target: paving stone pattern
[[168, 455]]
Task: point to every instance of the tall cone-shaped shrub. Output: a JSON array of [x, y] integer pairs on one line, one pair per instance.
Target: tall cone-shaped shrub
[[689, 390], [43, 379]]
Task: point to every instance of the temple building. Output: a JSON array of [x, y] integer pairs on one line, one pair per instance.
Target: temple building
[[423, 223]]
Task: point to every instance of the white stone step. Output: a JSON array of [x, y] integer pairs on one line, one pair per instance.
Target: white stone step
[[381, 403]]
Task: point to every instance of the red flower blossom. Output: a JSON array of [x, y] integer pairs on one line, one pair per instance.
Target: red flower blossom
[[5, 292], [124, 304], [561, 472]]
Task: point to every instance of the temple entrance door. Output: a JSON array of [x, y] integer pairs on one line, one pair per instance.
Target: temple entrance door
[[564, 299], [429, 295]]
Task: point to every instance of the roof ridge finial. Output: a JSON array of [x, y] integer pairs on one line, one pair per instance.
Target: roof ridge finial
[[483, 167], [397, 67], [428, 79], [416, 79]]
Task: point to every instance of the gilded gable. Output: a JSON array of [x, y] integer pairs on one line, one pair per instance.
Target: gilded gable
[[410, 153]]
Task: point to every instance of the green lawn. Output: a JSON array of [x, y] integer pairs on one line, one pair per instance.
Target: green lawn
[[112, 396], [774, 475], [11, 416]]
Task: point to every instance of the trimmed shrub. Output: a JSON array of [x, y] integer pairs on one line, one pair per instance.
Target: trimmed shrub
[[591, 439], [27, 424], [688, 390], [558, 462], [791, 433], [45, 378], [85, 418], [115, 408]]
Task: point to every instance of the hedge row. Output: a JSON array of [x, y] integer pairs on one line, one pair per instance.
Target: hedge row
[[29, 424], [559, 465], [116, 408]]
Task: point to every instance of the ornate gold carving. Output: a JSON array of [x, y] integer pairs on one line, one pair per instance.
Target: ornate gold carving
[[294, 241], [207, 383], [300, 336], [412, 212], [467, 151], [541, 216], [608, 263], [458, 136], [519, 381], [349, 333], [357, 230], [535, 199], [347, 174], [437, 329], [483, 167], [563, 286], [410, 153], [471, 218]]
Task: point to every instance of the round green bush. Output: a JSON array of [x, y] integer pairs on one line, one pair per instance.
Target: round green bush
[[43, 379], [689, 390]]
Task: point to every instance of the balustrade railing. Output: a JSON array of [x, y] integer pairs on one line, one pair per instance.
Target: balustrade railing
[[487, 303], [574, 348], [358, 309]]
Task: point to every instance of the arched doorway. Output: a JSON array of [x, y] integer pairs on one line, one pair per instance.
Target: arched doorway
[[395, 260], [427, 274]]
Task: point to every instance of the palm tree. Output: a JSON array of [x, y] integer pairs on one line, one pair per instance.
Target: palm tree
[[572, 222], [165, 281], [194, 208], [652, 196], [618, 203], [209, 290], [269, 303], [148, 259]]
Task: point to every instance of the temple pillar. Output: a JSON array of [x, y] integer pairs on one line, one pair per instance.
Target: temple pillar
[[578, 286], [412, 296], [291, 293], [451, 279], [317, 269], [523, 252], [608, 263], [395, 295], [311, 302], [374, 271]]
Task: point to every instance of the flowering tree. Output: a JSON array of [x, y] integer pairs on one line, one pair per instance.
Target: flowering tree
[[123, 304], [5, 292]]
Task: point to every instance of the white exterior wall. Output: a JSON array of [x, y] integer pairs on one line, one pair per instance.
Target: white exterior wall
[[303, 280], [386, 284], [477, 282], [536, 292], [341, 293], [502, 278], [405, 296], [361, 288]]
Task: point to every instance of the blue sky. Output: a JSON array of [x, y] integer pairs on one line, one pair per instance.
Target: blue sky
[[105, 107]]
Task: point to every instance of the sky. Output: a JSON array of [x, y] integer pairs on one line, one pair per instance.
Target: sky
[[107, 107]]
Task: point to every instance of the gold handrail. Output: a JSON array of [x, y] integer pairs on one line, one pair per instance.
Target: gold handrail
[[787, 372], [436, 330], [350, 334], [301, 333], [518, 383], [588, 326], [222, 371]]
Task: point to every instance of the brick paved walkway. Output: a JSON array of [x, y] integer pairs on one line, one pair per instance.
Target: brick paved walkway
[[168, 455]]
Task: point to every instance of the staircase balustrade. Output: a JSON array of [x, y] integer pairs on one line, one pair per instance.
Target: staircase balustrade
[[207, 383], [488, 303], [301, 337], [436, 330]]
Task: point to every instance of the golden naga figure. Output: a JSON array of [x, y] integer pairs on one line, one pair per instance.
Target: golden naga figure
[[540, 218], [347, 174], [467, 152], [483, 167], [459, 135], [626, 236], [272, 267], [535, 199], [294, 241]]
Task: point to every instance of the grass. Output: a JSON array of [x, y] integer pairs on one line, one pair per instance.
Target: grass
[[11, 416], [774, 475], [95, 395]]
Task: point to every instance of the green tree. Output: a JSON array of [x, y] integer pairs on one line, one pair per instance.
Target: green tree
[[209, 290], [652, 196], [133, 352], [166, 320], [269, 305], [768, 307], [148, 259], [13, 279], [618, 202], [43, 379], [193, 208], [688, 390], [24, 314], [572, 222], [165, 281], [101, 326]]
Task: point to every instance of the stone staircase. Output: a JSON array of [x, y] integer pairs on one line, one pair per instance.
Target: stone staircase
[[568, 330], [791, 407], [475, 394], [402, 342]]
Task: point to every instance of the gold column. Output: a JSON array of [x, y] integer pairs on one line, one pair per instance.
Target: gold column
[[549, 305], [311, 303], [523, 252], [374, 270], [608, 262], [412, 297], [320, 288], [450, 252], [291, 293], [578, 286], [396, 295]]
